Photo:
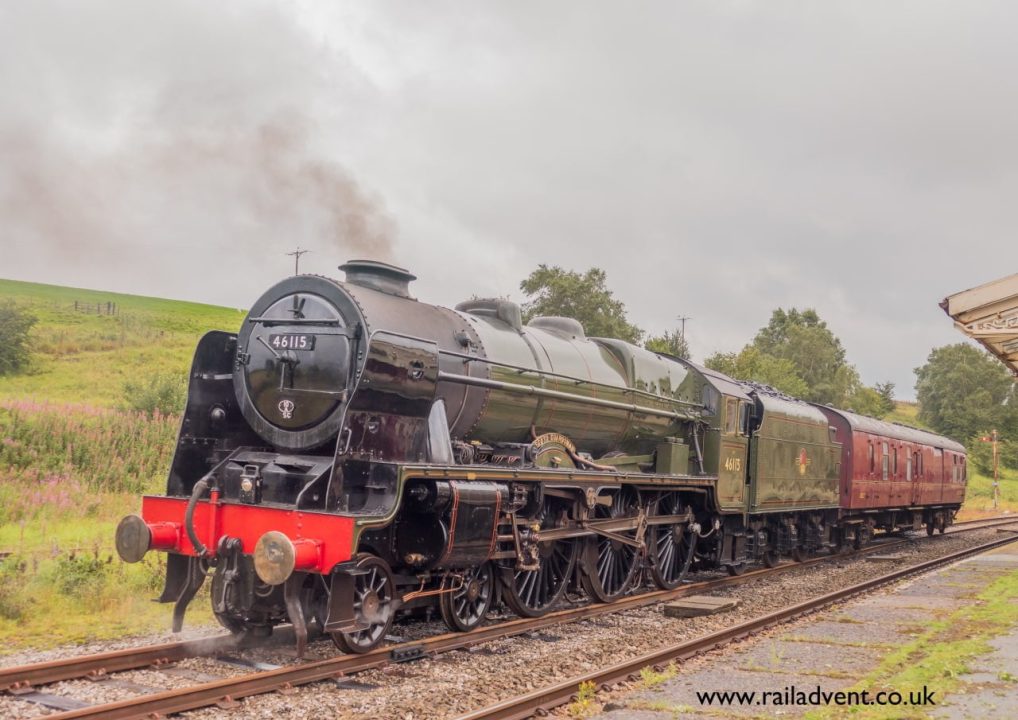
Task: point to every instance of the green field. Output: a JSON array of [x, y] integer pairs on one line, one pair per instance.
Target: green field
[[73, 461], [84, 356], [906, 413]]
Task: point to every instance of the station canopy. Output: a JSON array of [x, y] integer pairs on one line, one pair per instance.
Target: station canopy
[[989, 315]]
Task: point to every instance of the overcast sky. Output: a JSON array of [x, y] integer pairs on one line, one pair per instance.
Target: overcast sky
[[718, 159]]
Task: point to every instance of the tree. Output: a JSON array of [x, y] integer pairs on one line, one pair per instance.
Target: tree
[[886, 392], [798, 354], [962, 390], [15, 325], [586, 297], [866, 401], [751, 364], [671, 343], [803, 339]]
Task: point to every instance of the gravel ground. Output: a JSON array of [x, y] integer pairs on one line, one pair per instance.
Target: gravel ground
[[460, 681], [25, 657]]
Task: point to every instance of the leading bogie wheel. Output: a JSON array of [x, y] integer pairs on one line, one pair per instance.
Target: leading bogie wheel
[[465, 607], [235, 625], [374, 592]]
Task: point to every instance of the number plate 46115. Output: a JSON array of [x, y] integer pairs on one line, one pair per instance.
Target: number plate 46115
[[292, 342]]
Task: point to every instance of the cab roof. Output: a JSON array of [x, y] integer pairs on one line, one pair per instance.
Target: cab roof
[[720, 382]]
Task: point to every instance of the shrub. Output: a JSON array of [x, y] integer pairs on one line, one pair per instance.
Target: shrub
[[981, 455], [79, 576], [15, 325], [163, 393], [12, 579], [54, 453]]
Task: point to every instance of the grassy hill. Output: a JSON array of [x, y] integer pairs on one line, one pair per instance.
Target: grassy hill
[[906, 413], [87, 344], [73, 461]]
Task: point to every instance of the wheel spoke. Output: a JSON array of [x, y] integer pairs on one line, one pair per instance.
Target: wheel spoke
[[531, 583], [544, 578]]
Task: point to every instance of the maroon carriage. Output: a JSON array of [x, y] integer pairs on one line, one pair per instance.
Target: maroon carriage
[[895, 476]]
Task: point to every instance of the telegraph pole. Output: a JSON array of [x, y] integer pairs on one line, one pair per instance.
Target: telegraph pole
[[992, 438], [996, 480], [296, 259], [682, 319]]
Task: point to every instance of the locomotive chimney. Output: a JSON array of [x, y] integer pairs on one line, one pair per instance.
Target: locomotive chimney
[[379, 276]]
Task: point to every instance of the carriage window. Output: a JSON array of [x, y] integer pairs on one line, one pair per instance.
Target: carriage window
[[908, 468], [894, 463], [964, 466], [885, 461], [731, 416], [873, 459]]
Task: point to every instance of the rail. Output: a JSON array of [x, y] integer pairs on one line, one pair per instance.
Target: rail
[[542, 700], [25, 677]]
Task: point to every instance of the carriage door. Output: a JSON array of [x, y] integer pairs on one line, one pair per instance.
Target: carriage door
[[915, 475], [941, 469]]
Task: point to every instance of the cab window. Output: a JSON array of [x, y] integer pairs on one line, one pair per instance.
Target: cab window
[[731, 416]]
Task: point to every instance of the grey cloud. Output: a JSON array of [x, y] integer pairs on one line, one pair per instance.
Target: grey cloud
[[177, 142], [719, 159]]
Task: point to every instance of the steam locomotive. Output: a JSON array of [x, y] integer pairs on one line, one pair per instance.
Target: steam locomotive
[[352, 453]]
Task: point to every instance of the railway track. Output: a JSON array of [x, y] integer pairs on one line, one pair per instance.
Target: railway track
[[541, 701], [26, 679]]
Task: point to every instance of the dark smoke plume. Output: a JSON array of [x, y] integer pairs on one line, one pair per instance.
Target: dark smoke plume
[[254, 187], [174, 137]]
